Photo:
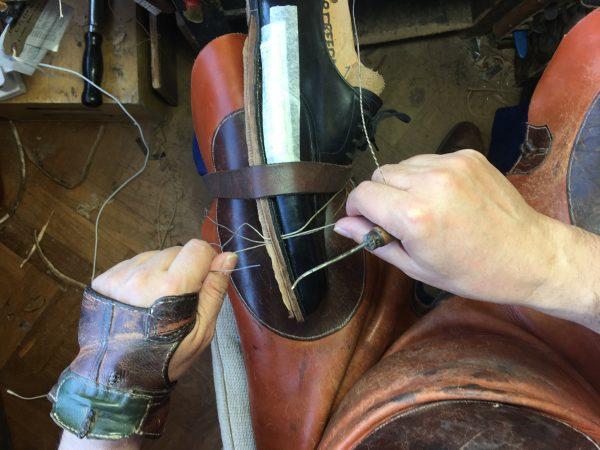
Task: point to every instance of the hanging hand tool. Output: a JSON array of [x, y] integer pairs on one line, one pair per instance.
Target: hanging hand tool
[[374, 239], [92, 55]]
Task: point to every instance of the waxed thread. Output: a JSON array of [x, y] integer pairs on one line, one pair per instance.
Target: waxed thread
[[360, 94]]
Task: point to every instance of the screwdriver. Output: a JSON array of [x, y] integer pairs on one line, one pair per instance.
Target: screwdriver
[[92, 55], [374, 239]]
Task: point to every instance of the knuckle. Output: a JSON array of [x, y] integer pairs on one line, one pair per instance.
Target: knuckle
[[139, 280], [444, 178], [98, 282], [363, 187], [460, 163], [198, 244], [201, 246], [171, 285], [471, 153], [419, 220], [360, 195], [384, 171], [413, 159], [469, 157]]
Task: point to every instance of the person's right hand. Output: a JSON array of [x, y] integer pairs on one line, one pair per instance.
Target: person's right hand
[[461, 226]]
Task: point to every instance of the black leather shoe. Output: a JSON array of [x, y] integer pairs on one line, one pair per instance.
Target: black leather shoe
[[330, 131], [462, 136]]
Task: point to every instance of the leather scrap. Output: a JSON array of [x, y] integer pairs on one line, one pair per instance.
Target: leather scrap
[[260, 181]]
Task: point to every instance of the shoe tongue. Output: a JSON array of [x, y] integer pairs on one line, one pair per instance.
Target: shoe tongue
[[365, 77], [371, 101]]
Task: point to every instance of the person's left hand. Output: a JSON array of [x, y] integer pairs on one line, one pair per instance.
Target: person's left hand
[[148, 276]]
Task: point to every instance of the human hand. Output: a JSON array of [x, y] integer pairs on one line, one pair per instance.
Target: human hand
[[177, 270], [461, 226]]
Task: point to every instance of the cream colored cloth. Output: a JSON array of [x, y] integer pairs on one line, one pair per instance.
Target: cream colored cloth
[[231, 385]]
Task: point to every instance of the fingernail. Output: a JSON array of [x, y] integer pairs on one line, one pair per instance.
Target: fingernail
[[230, 261], [341, 231]]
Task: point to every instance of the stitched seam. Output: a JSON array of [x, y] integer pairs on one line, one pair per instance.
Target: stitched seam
[[62, 424], [167, 299], [89, 435], [57, 418], [92, 435], [60, 385], [97, 297], [106, 327], [215, 134], [147, 312], [174, 335], [128, 393], [323, 334], [139, 426], [165, 367], [515, 170]]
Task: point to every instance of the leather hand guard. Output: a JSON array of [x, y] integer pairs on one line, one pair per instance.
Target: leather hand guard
[[118, 385]]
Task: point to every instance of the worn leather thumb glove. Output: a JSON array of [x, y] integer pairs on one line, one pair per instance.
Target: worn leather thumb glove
[[155, 314]]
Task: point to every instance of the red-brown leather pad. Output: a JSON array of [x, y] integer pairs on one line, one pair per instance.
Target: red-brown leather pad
[[472, 350], [220, 76], [561, 101], [293, 383], [466, 350]]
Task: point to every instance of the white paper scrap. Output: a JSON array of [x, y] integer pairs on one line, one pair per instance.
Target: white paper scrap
[[50, 27], [281, 85]]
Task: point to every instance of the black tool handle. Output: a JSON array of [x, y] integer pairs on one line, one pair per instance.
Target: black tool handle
[[92, 68]]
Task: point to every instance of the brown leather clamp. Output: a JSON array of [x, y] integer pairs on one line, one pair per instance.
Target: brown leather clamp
[[301, 177], [118, 385]]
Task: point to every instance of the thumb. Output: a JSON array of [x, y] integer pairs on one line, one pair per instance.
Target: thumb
[[353, 227], [214, 288], [356, 227], [210, 299]]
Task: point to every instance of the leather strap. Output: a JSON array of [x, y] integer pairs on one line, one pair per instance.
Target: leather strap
[[302, 177]]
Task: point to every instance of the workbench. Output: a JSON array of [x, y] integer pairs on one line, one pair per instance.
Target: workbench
[[126, 53]]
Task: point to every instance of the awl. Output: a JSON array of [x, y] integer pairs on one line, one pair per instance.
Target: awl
[[374, 239]]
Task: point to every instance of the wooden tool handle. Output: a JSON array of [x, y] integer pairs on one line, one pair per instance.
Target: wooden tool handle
[[92, 69], [376, 238]]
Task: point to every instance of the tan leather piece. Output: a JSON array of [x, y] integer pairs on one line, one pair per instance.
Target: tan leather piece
[[301, 177], [465, 349]]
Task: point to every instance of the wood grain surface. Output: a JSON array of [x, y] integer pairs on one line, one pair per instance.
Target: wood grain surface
[[39, 313]]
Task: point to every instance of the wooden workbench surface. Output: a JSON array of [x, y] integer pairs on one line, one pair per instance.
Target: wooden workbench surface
[[54, 95]]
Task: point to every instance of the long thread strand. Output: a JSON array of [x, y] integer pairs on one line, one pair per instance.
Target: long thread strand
[[360, 93], [128, 180]]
